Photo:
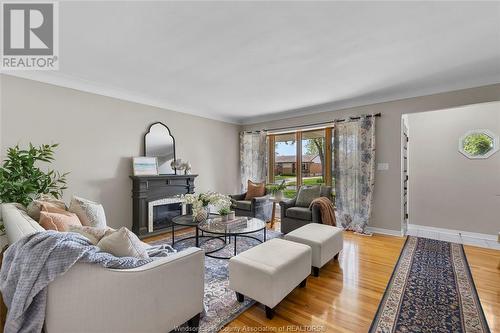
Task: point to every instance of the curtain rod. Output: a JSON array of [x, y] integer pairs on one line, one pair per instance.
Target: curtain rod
[[318, 124]]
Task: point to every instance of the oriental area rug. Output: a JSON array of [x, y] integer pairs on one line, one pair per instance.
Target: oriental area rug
[[220, 303], [431, 290]]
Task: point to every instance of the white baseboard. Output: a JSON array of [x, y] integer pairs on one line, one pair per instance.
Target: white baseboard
[[453, 232], [384, 231]]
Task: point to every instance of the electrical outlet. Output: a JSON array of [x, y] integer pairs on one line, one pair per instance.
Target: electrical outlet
[[383, 166]]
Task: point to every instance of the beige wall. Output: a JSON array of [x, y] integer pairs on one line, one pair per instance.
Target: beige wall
[[1, 94], [387, 196], [448, 190], [99, 135]]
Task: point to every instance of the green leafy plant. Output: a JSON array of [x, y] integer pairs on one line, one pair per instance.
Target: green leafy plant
[[21, 179], [274, 188], [224, 211]]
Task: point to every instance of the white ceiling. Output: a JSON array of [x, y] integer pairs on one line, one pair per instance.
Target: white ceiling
[[245, 62]]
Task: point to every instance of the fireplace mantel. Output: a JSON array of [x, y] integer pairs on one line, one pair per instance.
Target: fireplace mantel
[[151, 188]]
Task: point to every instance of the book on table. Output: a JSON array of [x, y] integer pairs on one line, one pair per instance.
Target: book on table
[[239, 222]]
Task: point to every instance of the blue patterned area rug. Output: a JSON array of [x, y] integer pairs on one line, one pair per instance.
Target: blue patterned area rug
[[431, 290], [221, 306]]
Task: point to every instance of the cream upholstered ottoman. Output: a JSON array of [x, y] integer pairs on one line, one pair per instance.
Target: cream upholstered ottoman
[[269, 271], [326, 242]]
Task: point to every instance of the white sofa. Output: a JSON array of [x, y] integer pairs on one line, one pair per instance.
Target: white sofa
[[156, 297]]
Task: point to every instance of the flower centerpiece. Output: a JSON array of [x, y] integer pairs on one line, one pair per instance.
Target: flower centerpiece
[[200, 204]]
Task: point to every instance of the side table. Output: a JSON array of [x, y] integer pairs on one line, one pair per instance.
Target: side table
[[276, 201]]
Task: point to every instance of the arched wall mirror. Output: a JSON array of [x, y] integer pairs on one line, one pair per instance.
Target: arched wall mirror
[[478, 144], [159, 143]]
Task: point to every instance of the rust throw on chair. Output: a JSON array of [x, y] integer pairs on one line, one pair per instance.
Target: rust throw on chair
[[326, 210]]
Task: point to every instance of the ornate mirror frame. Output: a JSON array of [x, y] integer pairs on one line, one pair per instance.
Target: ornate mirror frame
[[171, 136]]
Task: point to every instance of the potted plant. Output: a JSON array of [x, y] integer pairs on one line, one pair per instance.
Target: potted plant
[[224, 212], [200, 204], [277, 189], [21, 178]]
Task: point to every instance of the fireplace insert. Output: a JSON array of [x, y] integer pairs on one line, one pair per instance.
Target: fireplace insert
[[162, 211]]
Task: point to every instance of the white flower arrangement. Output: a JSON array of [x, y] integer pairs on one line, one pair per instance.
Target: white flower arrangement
[[220, 201], [200, 202]]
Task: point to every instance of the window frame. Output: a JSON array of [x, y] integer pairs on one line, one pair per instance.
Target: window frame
[[328, 131]]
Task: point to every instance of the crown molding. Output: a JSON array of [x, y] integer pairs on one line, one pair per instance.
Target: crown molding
[[364, 101], [72, 82]]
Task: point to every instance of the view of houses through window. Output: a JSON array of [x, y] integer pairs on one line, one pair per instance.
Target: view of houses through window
[[285, 162], [313, 155]]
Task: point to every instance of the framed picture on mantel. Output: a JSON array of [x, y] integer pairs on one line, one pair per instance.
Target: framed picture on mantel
[[145, 166]]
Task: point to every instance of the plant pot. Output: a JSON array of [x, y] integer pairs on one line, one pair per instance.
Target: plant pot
[[278, 195], [231, 215], [200, 216], [224, 218]]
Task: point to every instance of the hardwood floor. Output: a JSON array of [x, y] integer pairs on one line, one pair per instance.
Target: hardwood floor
[[485, 267], [345, 297]]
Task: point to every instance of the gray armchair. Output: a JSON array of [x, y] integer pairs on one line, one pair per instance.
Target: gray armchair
[[260, 207], [294, 217]]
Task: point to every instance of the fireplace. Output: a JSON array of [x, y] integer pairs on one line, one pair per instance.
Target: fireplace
[[162, 211], [156, 201]]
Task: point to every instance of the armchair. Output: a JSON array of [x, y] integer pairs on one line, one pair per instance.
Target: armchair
[[294, 217], [260, 207]]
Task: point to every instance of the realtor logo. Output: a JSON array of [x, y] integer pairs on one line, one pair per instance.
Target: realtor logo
[[29, 36]]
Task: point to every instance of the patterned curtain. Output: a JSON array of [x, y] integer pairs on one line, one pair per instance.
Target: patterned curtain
[[253, 155], [354, 170]]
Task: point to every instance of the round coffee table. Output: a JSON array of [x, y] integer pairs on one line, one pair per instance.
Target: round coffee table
[[211, 226], [187, 221]]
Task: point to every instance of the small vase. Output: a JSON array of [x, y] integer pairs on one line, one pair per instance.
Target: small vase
[[278, 195], [232, 215], [201, 215], [224, 218]]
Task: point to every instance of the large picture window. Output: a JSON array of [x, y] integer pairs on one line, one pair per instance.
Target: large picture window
[[300, 158]]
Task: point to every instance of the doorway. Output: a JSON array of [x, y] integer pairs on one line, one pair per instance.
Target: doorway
[[449, 173], [405, 141]]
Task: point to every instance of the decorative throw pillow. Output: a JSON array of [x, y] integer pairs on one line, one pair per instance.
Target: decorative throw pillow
[[57, 219], [89, 212], [94, 235], [46, 222], [255, 190], [34, 207], [306, 195], [123, 243]]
